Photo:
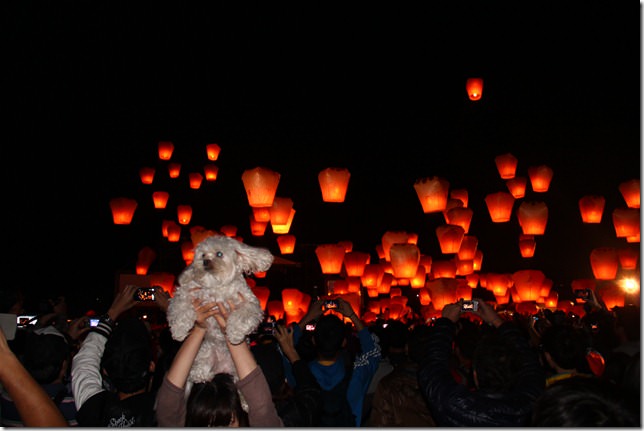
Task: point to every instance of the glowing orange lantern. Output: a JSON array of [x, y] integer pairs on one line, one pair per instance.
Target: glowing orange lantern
[[262, 214], [199, 233], [280, 210], [461, 217], [354, 262], [432, 193], [353, 284], [527, 245], [517, 186], [147, 175], [122, 210], [463, 290], [195, 179], [286, 243], [165, 150], [426, 261], [284, 228], [468, 247], [460, 194], [393, 237], [528, 283], [334, 183], [533, 217], [291, 299], [540, 178], [212, 151], [174, 169], [442, 292], [424, 297], [348, 245], [612, 296], [626, 222], [628, 257], [474, 88], [444, 268], [385, 283], [144, 259], [184, 214], [187, 252], [229, 230], [478, 260], [498, 284], [604, 262], [163, 279], [630, 191], [330, 257], [262, 293], [404, 260], [450, 237], [506, 164], [160, 199], [551, 301], [174, 232], [418, 280], [210, 171], [472, 280], [591, 208], [257, 228], [275, 308], [261, 185], [372, 275], [499, 205]]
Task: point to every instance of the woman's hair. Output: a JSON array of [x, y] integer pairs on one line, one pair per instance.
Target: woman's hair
[[215, 403]]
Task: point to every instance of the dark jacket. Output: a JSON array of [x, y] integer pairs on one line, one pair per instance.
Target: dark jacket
[[304, 407], [453, 404]]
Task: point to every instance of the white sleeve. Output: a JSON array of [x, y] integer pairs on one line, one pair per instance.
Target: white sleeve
[[87, 380]]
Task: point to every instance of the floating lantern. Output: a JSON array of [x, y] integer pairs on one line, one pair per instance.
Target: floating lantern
[[184, 214], [478, 260], [628, 257], [612, 296], [385, 283], [468, 247], [195, 179], [474, 88], [160, 199], [540, 177], [212, 151], [275, 308], [506, 164], [499, 205], [418, 280], [174, 232], [284, 228], [262, 293], [464, 266], [626, 222], [444, 268], [147, 175], [461, 217], [286, 243], [551, 301], [163, 279], [528, 283], [174, 169], [199, 233], [393, 237], [498, 284], [450, 238], [257, 228], [144, 259], [348, 245], [355, 262], [334, 183], [533, 217], [122, 209], [291, 299], [262, 214], [261, 185], [604, 262], [463, 290], [442, 292], [460, 194], [330, 257], [280, 210], [517, 186], [404, 260], [187, 252], [165, 150], [591, 208], [210, 171], [426, 261], [527, 245], [630, 191], [432, 193], [372, 275], [229, 230], [472, 280]]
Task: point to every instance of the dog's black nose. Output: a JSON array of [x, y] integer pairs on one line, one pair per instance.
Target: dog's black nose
[[207, 263]]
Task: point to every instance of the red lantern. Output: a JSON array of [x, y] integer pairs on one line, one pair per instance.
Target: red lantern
[[122, 210], [474, 88], [528, 283], [450, 237], [174, 169], [144, 259], [275, 308], [195, 179], [229, 230], [262, 293], [604, 262], [355, 262], [393, 237], [612, 296], [261, 185], [184, 214], [174, 232], [540, 177], [257, 228], [527, 245], [262, 214], [160, 199], [444, 269], [460, 194], [372, 275], [498, 284], [506, 164], [628, 257], [468, 247], [165, 150], [404, 260], [210, 171], [442, 292], [280, 210], [626, 222], [284, 228], [432, 193], [499, 205], [591, 208], [517, 186], [286, 243], [478, 260], [630, 191], [330, 257], [212, 151], [334, 183], [187, 252], [461, 217], [147, 175], [533, 217]]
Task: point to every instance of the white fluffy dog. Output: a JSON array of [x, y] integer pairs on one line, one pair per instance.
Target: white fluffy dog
[[217, 274]]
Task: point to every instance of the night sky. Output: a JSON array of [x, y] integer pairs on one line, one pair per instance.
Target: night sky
[[377, 88]]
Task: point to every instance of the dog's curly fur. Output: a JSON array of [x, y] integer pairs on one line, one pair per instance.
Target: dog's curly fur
[[217, 274]]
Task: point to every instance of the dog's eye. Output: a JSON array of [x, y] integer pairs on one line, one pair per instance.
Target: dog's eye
[[219, 254]]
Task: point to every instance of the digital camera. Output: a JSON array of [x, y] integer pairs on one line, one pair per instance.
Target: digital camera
[[331, 303], [472, 305]]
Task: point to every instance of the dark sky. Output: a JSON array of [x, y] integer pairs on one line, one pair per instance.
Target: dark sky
[[378, 88]]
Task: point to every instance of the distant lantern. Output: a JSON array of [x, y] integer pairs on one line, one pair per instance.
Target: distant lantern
[[626, 222], [450, 237], [506, 164], [630, 191], [147, 175], [174, 232], [384, 287], [348, 245], [331, 257], [527, 245], [404, 260], [291, 299], [604, 262], [498, 283], [334, 183], [517, 186], [212, 151], [187, 252], [275, 308], [354, 262], [286, 243], [353, 284], [528, 283], [261, 185], [461, 217], [474, 88], [284, 228], [472, 280], [460, 194], [551, 301], [451, 204], [426, 261], [464, 266], [499, 206], [262, 293], [463, 290], [591, 208], [392, 237], [145, 257], [442, 292], [163, 279], [444, 268], [540, 178], [262, 214], [628, 257], [280, 210], [372, 275], [612, 296], [257, 228], [432, 193], [165, 150], [160, 199], [211, 170], [418, 280], [424, 296], [184, 214], [478, 260], [123, 209], [174, 169], [468, 247], [230, 230], [533, 217], [195, 179]]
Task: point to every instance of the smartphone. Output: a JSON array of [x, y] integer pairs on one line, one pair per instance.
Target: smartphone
[[93, 322], [472, 305], [331, 303], [144, 294], [26, 319], [8, 323]]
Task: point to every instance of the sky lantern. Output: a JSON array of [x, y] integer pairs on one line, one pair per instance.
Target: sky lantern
[[174, 232], [147, 175], [628, 257], [184, 214], [199, 233], [450, 237], [546, 286], [442, 292], [211, 170], [503, 299], [528, 283], [372, 275], [280, 210], [527, 308], [612, 296], [353, 284], [516, 186], [540, 178], [630, 191], [633, 238], [591, 208], [452, 203], [418, 280], [424, 297], [533, 217], [160, 199], [174, 169], [460, 194], [499, 284], [261, 185], [385, 284], [291, 298], [338, 287], [468, 247], [122, 209], [472, 280], [464, 266], [163, 279], [551, 301], [432, 193], [145, 257], [604, 262], [626, 222], [460, 216], [348, 245], [187, 252], [404, 260], [330, 257], [527, 245], [392, 237], [478, 260], [284, 228], [262, 293], [463, 290], [165, 150], [257, 228], [229, 230], [334, 183], [275, 308], [474, 88], [212, 151], [195, 179], [444, 268], [262, 214], [506, 164], [499, 206], [286, 243], [426, 261], [354, 262]]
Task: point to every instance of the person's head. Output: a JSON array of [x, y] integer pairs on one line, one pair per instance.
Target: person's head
[[46, 355], [215, 404], [329, 336], [581, 402], [496, 362], [394, 340], [565, 346], [127, 359]]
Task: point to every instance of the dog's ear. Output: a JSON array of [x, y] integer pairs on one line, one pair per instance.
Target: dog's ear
[[253, 259]]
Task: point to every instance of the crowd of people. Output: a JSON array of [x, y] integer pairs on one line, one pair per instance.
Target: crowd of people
[[479, 367]]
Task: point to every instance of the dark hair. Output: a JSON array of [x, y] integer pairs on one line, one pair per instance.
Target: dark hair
[[44, 356], [581, 402], [215, 403], [567, 346], [329, 334], [497, 361], [127, 355]]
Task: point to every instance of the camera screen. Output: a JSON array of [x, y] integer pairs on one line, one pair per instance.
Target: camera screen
[[331, 303], [25, 320], [144, 294], [93, 322]]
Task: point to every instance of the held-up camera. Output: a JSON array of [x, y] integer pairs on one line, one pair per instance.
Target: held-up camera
[[143, 294], [267, 328], [93, 321], [331, 303], [472, 305], [583, 294]]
